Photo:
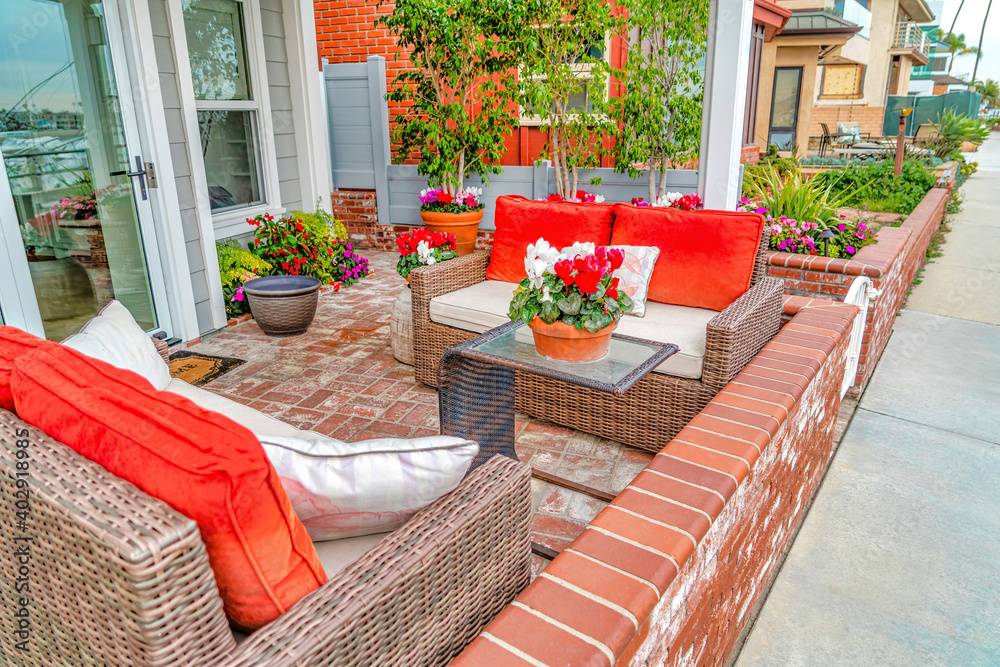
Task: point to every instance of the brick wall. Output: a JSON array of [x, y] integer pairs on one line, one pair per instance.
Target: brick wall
[[671, 572], [891, 264], [750, 154], [869, 117]]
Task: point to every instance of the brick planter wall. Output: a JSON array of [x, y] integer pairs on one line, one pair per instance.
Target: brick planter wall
[[672, 570], [891, 264]]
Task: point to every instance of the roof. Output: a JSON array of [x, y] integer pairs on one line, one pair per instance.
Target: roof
[[947, 79], [771, 15], [918, 10], [815, 22]]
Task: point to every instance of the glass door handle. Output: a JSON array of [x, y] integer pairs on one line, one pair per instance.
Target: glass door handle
[[140, 172]]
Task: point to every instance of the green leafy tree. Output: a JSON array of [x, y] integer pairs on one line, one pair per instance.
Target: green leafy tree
[[564, 82], [990, 90], [459, 97], [660, 108], [957, 46]]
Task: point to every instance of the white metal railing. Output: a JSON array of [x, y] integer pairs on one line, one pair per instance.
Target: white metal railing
[[910, 36]]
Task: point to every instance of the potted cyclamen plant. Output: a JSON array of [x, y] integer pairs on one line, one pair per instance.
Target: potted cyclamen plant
[[457, 100], [457, 215], [571, 300], [423, 247]]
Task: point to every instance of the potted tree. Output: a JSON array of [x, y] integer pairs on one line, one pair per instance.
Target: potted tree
[[661, 104], [564, 84], [457, 99], [570, 300]]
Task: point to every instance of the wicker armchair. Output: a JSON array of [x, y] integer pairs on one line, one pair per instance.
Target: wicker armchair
[[650, 414], [102, 574]]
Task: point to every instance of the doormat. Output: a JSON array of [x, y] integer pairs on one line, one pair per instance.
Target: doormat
[[198, 369]]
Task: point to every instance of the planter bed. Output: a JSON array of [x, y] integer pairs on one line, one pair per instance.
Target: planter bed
[[673, 570], [891, 264]]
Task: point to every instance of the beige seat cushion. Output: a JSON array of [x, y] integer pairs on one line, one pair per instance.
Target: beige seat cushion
[[255, 421], [484, 306], [477, 308]]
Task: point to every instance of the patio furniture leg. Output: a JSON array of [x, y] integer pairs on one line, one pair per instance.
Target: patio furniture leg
[[476, 402]]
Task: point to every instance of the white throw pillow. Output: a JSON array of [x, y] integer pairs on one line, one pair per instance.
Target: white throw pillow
[[853, 132], [114, 336], [635, 273], [341, 489]]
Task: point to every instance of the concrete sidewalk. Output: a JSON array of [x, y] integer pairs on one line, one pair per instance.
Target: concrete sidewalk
[[898, 561]]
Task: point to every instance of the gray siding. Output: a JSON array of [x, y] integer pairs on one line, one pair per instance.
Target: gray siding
[[351, 121], [163, 46], [279, 89]]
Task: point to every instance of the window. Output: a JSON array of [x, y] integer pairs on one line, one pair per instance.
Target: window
[[785, 95], [842, 81], [582, 99], [229, 111], [753, 84]]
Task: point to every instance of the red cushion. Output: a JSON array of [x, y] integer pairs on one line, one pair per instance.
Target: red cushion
[[13, 344], [706, 257], [201, 463], [521, 221]]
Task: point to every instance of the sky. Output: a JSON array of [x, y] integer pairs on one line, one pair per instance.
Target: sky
[[970, 22]]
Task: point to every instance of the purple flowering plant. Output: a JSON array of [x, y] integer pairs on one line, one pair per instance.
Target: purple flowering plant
[[801, 237]]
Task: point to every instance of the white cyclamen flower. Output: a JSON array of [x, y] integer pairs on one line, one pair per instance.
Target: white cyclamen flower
[[598, 199], [424, 253], [668, 199], [535, 268], [545, 294], [579, 248]]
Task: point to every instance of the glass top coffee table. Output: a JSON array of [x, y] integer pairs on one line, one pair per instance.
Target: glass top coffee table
[[476, 383]]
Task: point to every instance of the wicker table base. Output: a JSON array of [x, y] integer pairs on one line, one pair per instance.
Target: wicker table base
[[476, 400]]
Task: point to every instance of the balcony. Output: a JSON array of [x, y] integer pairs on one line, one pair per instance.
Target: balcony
[[912, 42]]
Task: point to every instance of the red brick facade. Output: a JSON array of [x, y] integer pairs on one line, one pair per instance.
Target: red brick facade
[[671, 572], [891, 264]]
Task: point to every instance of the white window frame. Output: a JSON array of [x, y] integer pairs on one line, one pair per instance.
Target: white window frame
[[263, 128]]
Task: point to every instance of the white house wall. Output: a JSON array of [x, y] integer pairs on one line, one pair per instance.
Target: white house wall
[[163, 45], [282, 111]]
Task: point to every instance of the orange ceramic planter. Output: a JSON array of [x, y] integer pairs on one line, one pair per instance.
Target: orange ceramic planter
[[463, 225], [563, 342]]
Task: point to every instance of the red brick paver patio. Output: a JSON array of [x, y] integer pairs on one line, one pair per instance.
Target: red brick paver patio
[[340, 379]]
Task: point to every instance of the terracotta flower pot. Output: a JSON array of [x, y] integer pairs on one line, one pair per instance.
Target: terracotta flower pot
[[563, 342], [463, 225]]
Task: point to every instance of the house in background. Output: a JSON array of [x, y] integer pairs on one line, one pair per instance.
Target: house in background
[[134, 135], [921, 76], [837, 62]]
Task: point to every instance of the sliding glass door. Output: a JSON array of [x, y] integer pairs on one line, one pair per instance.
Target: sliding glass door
[[75, 181]]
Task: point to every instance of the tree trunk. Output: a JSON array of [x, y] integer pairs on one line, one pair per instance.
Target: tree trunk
[[979, 52], [461, 172], [652, 183], [576, 181], [556, 164]]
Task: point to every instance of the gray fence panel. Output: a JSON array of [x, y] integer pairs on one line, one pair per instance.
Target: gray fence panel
[[350, 115], [618, 187]]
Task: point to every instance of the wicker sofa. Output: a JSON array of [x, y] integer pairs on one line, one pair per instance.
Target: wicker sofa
[[106, 575], [650, 414]]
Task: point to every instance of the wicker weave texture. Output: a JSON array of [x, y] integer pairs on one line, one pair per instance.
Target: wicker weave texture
[[281, 316], [422, 594], [650, 414], [115, 577]]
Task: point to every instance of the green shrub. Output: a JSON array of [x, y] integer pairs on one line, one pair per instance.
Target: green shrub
[[806, 200], [886, 192]]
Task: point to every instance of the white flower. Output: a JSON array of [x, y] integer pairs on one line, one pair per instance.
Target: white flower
[[579, 248], [598, 199], [668, 199], [424, 253], [535, 268], [545, 294]]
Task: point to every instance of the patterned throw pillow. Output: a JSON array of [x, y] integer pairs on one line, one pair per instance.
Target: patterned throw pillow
[[340, 489], [853, 132], [635, 273]]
